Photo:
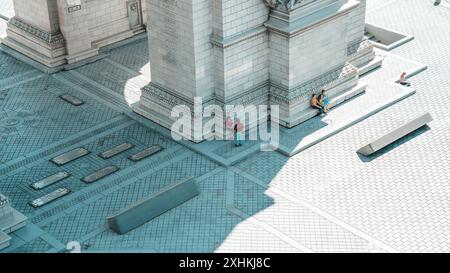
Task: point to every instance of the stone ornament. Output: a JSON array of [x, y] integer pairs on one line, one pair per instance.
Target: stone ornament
[[288, 4]]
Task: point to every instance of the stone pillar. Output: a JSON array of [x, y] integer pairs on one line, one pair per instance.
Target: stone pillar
[[241, 51], [180, 57], [254, 52], [360, 51], [308, 53], [34, 31], [74, 25], [217, 50]]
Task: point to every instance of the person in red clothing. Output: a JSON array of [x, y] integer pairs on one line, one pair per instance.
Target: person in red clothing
[[229, 126], [403, 80], [238, 133]]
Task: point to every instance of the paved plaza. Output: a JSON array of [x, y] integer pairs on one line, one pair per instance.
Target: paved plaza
[[315, 194]]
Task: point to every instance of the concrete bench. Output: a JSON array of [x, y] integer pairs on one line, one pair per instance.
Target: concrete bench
[[153, 206], [381, 142], [335, 100]]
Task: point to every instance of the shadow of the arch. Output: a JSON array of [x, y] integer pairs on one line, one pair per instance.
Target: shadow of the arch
[[203, 223]]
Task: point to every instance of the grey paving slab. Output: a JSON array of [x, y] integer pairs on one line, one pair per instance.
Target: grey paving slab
[[4, 240], [80, 222], [32, 117], [50, 197], [69, 156], [50, 180], [146, 153], [36, 246], [100, 174], [72, 99], [116, 150], [134, 56], [10, 67]]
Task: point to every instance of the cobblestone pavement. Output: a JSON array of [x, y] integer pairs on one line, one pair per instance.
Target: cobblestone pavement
[[324, 199]]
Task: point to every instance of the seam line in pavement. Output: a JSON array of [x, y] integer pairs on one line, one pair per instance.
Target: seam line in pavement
[[318, 211]]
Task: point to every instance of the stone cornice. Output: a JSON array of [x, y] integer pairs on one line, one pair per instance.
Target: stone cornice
[[169, 97], [286, 5], [230, 41], [304, 91], [246, 97], [55, 38], [359, 46], [290, 25]]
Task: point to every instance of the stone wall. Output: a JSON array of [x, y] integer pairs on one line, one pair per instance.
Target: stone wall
[[243, 52], [317, 51], [84, 27], [42, 14], [240, 47], [356, 22]]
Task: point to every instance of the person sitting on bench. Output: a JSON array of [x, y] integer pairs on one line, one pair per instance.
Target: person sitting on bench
[[316, 104], [323, 100], [403, 80]]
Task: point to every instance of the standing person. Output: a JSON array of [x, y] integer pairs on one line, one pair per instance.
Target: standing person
[[229, 126], [316, 104], [238, 131]]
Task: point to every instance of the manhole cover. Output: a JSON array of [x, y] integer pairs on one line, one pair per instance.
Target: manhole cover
[[11, 122]]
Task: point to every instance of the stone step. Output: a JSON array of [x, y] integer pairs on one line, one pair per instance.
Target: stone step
[[13, 222], [77, 80], [334, 101], [375, 63], [4, 240]]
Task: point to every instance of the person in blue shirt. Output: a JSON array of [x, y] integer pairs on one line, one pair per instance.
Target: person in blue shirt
[[324, 101]]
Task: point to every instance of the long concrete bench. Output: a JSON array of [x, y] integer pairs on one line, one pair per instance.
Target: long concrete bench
[[153, 206], [381, 142]]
